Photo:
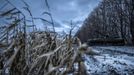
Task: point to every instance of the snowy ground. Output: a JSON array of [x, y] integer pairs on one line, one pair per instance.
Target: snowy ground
[[114, 60]]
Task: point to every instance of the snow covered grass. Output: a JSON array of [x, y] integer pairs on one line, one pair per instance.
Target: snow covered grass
[[108, 63]]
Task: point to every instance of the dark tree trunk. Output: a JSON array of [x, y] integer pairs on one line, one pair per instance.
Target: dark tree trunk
[[132, 21]]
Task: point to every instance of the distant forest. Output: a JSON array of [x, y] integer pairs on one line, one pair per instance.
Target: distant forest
[[110, 19]]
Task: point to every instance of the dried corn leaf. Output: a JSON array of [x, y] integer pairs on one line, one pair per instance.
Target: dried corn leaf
[[7, 12]]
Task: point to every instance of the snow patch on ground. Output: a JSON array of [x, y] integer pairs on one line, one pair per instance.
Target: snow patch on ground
[[110, 63]]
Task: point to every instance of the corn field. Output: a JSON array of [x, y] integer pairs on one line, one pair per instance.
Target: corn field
[[37, 52]]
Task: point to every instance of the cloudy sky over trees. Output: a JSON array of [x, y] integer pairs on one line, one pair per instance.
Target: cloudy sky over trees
[[63, 11]]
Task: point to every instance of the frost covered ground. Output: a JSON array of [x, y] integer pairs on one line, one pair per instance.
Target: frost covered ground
[[114, 60]]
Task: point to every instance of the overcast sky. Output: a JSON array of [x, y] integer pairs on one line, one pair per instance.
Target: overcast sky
[[63, 11]]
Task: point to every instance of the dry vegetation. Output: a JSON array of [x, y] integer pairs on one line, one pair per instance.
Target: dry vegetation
[[42, 54], [37, 52]]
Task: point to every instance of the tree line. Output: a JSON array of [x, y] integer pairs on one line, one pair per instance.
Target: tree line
[[110, 19]]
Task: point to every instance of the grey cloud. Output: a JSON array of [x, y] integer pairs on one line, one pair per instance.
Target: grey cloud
[[62, 10], [74, 22], [56, 24]]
